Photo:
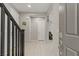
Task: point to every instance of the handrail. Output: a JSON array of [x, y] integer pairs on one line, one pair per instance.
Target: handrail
[[17, 34], [7, 12]]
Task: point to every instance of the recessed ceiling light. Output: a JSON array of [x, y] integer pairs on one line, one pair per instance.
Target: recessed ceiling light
[[29, 6]]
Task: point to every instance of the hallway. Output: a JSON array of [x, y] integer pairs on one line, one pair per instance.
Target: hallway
[[28, 29], [36, 42], [39, 29]]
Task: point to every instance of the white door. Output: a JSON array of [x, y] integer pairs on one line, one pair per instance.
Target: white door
[[69, 29], [38, 28], [41, 30]]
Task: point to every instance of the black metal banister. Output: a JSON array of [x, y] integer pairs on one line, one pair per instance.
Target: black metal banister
[[16, 41], [17, 35], [8, 36], [8, 13], [22, 37], [2, 31]]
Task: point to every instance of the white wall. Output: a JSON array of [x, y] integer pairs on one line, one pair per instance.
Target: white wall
[[54, 27], [13, 12]]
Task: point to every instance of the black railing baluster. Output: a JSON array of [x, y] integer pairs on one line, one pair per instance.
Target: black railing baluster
[[12, 39], [8, 36], [19, 42], [2, 31], [16, 41], [22, 42]]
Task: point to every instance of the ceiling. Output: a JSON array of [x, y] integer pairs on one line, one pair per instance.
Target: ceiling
[[35, 7]]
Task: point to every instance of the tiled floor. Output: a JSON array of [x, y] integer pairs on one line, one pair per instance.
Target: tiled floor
[[39, 48]]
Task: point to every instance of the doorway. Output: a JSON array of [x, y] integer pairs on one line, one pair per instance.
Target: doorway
[[38, 28]]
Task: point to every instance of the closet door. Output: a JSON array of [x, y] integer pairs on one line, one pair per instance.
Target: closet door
[[38, 28], [41, 29], [34, 29]]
